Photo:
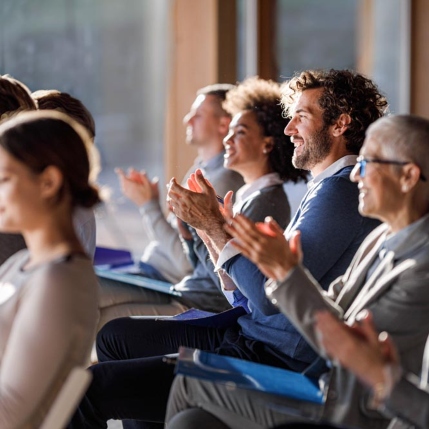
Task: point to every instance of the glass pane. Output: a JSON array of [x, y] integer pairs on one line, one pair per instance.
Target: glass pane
[[315, 34], [110, 54]]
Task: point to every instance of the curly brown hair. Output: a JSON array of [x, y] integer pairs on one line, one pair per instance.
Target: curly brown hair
[[263, 98], [344, 91]]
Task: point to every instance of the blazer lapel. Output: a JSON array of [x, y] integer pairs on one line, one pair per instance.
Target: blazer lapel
[[356, 275], [385, 278]]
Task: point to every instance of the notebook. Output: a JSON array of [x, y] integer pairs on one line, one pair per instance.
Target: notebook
[[118, 264], [248, 375]]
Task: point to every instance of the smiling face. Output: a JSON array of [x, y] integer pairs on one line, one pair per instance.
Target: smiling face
[[20, 200], [203, 122], [246, 148], [380, 193], [308, 132]]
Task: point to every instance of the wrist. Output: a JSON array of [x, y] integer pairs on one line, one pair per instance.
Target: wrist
[[382, 387], [282, 272], [216, 233]]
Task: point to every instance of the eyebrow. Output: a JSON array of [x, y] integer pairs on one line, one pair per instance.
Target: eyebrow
[[302, 109], [239, 125]]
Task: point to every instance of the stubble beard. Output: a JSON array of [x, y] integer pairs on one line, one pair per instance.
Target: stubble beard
[[316, 149]]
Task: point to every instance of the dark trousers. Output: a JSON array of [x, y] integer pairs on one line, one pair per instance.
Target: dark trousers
[[132, 380], [196, 418]]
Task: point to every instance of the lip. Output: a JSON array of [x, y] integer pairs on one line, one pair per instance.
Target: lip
[[297, 141], [229, 152], [298, 147], [363, 191]]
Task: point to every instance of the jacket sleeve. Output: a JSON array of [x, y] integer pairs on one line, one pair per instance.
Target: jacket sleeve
[[409, 402], [161, 230]]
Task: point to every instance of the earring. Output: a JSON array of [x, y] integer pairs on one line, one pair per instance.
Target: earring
[[265, 151]]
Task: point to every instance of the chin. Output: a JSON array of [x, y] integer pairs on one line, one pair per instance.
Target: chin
[[8, 229], [367, 212]]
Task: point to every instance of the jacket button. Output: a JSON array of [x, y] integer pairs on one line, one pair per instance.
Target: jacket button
[[332, 394]]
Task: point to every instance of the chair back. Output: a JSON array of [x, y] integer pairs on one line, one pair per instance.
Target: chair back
[[68, 399]]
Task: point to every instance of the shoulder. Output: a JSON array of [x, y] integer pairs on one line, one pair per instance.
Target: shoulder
[[14, 262], [83, 215], [269, 201], [224, 180], [270, 194], [71, 276], [340, 178], [337, 187]]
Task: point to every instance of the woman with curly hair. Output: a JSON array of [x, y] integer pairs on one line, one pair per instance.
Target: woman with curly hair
[[256, 101]]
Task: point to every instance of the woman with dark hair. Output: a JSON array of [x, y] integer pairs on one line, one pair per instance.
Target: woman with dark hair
[[52, 99], [257, 101], [48, 293], [14, 97]]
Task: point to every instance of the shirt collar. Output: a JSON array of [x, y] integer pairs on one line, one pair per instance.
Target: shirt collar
[[262, 182], [338, 165], [394, 242], [213, 163]]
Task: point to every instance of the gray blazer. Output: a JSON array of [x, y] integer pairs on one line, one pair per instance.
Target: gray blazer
[[409, 399], [398, 296]]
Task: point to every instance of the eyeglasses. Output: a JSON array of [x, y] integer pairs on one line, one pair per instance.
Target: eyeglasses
[[361, 163]]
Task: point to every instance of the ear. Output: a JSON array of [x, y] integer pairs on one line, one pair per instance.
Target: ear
[[268, 145], [341, 124], [410, 177], [224, 122], [51, 180]]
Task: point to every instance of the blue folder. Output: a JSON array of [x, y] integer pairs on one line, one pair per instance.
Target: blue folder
[[109, 258], [197, 317], [248, 375], [118, 265]]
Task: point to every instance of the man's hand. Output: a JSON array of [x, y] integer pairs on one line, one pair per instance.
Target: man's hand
[[137, 187], [265, 245]]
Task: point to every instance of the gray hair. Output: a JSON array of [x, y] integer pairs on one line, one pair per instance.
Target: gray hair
[[405, 137]]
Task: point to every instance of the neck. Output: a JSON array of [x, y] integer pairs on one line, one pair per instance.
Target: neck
[[250, 174], [411, 211], [329, 160], [52, 239], [209, 151]]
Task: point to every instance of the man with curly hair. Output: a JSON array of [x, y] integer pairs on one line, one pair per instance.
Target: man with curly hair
[[329, 113]]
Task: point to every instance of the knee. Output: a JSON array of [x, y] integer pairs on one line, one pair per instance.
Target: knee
[[195, 418], [109, 342]]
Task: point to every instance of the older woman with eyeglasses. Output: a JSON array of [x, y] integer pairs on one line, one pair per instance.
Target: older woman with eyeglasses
[[389, 276]]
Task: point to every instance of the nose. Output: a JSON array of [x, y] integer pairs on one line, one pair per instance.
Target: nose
[[355, 173], [228, 137], [290, 128], [187, 118]]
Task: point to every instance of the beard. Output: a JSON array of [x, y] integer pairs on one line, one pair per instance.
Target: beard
[[316, 149]]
